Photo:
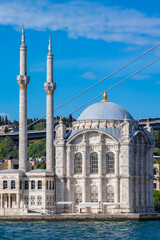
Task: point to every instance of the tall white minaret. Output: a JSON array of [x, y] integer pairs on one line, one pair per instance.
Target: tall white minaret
[[23, 81], [49, 86]]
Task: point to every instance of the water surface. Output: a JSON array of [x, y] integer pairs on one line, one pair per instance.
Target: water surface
[[80, 230]]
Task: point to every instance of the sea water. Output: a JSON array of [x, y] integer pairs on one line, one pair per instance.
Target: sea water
[[28, 230]]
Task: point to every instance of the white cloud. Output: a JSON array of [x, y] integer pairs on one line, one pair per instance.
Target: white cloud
[[141, 77], [91, 20], [88, 75]]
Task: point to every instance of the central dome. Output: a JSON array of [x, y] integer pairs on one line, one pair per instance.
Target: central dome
[[104, 111]]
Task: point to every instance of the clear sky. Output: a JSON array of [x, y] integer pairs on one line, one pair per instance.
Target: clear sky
[[90, 39]]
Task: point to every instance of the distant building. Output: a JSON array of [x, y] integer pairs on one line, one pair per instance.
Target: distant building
[[156, 183]]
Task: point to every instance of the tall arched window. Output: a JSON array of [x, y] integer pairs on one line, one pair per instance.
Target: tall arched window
[[110, 193], [78, 163], [13, 184], [5, 184], [110, 162], [78, 194], [33, 185], [94, 162], [94, 194]]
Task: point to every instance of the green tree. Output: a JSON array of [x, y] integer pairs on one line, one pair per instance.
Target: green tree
[[39, 126], [37, 149], [7, 148], [156, 198], [41, 165]]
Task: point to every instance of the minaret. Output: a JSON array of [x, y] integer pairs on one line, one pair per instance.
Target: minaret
[[49, 86], [23, 81]]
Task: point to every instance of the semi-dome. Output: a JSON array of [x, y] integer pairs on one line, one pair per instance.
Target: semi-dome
[[104, 110]]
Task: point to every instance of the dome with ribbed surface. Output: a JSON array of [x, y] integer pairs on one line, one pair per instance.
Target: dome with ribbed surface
[[104, 111]]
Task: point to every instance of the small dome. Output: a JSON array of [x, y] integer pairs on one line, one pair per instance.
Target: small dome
[[104, 111]]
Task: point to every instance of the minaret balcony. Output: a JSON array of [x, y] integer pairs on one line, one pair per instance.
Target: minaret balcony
[[23, 80], [49, 86]]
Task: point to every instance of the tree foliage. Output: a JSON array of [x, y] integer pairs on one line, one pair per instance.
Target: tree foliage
[[156, 138], [7, 148], [41, 165], [156, 199], [37, 149]]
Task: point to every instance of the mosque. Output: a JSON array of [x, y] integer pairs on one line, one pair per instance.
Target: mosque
[[103, 165]]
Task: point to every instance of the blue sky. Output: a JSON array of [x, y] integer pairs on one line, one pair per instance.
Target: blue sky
[[90, 40]]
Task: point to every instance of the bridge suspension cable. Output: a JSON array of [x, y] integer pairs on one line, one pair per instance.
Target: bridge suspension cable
[[119, 69], [111, 88]]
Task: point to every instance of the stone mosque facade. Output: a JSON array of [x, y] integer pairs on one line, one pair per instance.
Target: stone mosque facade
[[103, 165]]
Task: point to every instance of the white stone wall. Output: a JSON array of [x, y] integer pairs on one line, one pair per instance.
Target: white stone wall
[[131, 183]]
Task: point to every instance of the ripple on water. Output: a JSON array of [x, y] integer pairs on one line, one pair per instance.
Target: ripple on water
[[110, 230]]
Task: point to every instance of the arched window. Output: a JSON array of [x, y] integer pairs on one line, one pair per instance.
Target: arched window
[[32, 184], [32, 200], [13, 184], [110, 162], [39, 200], [47, 185], [78, 194], [110, 194], [26, 185], [94, 162], [39, 184], [78, 163], [5, 184], [26, 199], [94, 194]]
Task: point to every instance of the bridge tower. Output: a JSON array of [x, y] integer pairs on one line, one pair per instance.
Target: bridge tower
[[23, 80], [49, 86]]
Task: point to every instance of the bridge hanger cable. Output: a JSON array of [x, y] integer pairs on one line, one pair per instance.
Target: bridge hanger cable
[[119, 69], [111, 88]]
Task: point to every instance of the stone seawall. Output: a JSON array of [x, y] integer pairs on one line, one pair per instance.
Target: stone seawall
[[83, 217]]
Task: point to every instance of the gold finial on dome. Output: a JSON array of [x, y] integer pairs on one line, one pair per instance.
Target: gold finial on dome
[[105, 96], [125, 117]]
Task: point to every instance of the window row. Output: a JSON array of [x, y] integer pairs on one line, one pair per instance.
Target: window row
[[94, 194], [110, 162], [25, 185], [5, 184], [50, 185], [33, 200]]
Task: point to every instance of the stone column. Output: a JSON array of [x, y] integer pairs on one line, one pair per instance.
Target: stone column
[[1, 200], [49, 86], [100, 166], [147, 185], [142, 176], [23, 81], [69, 189], [68, 161], [84, 172], [9, 200], [117, 176]]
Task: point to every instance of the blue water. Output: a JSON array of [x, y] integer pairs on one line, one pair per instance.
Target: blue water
[[80, 230]]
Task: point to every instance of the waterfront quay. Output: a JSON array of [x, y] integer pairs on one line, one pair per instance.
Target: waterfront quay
[[83, 217]]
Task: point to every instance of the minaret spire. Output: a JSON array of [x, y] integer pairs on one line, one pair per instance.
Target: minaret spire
[[50, 86], [23, 79], [50, 45], [23, 36]]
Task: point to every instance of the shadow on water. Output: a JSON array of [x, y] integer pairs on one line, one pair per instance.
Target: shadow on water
[[80, 230]]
